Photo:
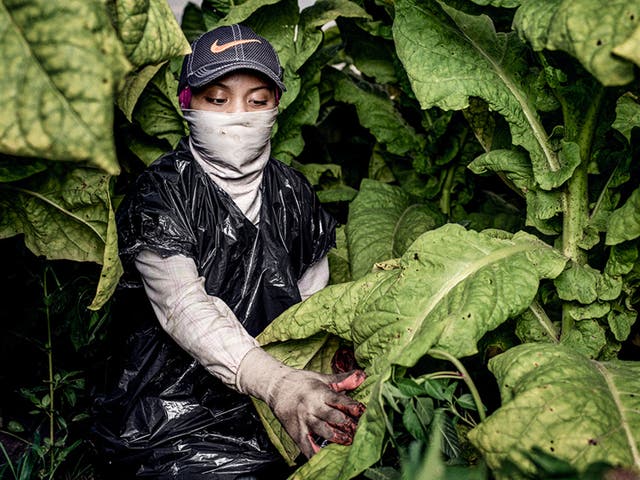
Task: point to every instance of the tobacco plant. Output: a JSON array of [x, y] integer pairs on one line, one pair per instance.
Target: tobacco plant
[[481, 159], [44, 436]]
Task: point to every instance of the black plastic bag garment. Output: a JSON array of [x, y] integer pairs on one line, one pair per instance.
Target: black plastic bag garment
[[175, 208], [167, 416]]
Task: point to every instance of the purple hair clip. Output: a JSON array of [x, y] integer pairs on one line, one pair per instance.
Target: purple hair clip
[[185, 98]]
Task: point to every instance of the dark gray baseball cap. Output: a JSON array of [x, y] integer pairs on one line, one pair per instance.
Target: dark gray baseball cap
[[225, 49]]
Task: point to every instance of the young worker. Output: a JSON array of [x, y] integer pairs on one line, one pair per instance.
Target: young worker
[[223, 238]]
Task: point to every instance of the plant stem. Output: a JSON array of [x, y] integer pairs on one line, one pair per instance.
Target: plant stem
[[8, 460], [49, 349], [443, 375], [576, 211], [579, 129], [444, 355], [445, 199]]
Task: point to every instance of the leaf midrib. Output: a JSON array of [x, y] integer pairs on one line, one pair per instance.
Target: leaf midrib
[[615, 396], [458, 278], [538, 130], [57, 92]]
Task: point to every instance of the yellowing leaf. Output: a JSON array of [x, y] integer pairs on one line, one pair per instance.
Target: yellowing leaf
[[589, 30], [61, 63], [149, 31], [66, 216], [451, 287], [557, 399]]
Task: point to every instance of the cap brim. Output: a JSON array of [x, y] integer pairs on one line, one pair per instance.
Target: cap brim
[[199, 80]]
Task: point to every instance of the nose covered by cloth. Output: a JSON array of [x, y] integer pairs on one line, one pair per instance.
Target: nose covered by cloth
[[234, 144], [233, 149]]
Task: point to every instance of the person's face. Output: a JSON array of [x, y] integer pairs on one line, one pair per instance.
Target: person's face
[[235, 92]]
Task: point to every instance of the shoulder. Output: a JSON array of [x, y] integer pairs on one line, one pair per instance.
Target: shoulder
[[170, 167], [173, 160], [287, 176]]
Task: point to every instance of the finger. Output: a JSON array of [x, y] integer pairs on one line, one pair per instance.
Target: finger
[[328, 413], [340, 434], [353, 408], [315, 448], [348, 381], [339, 429], [341, 438], [305, 442]]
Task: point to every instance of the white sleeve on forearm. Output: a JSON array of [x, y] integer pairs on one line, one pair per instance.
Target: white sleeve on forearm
[[201, 324], [314, 279]]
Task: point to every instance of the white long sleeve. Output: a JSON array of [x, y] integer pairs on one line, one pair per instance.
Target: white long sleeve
[[314, 279], [200, 323]]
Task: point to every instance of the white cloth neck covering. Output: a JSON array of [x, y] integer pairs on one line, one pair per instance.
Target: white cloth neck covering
[[233, 149]]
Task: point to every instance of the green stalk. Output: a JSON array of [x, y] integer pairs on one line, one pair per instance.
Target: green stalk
[[8, 463], [445, 199], [49, 349], [447, 187], [579, 129], [444, 355]]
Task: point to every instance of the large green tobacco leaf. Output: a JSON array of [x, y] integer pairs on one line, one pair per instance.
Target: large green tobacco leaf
[[157, 109], [288, 142], [383, 222], [378, 114], [371, 54], [62, 62], [149, 31], [589, 30], [450, 56], [627, 116], [624, 223], [66, 215], [241, 11], [513, 164], [339, 265], [554, 398], [515, 168], [133, 88], [328, 180], [448, 289], [313, 18], [323, 466]]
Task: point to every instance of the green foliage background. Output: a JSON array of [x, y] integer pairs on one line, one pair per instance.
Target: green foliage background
[[481, 158]]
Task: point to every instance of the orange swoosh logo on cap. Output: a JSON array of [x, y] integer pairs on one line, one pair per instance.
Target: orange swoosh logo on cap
[[215, 48]]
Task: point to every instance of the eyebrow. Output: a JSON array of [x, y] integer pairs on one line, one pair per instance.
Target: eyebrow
[[264, 86]]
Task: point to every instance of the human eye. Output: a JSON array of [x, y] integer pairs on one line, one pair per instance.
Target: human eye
[[260, 101], [215, 100]]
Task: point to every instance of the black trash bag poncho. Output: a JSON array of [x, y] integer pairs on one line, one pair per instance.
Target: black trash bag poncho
[[168, 416]]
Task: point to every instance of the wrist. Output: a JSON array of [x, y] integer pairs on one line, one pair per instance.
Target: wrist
[[259, 374]]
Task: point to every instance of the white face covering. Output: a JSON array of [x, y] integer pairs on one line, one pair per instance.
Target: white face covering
[[231, 142], [233, 148]]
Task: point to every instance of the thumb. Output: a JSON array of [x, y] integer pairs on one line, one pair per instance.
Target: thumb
[[347, 381]]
